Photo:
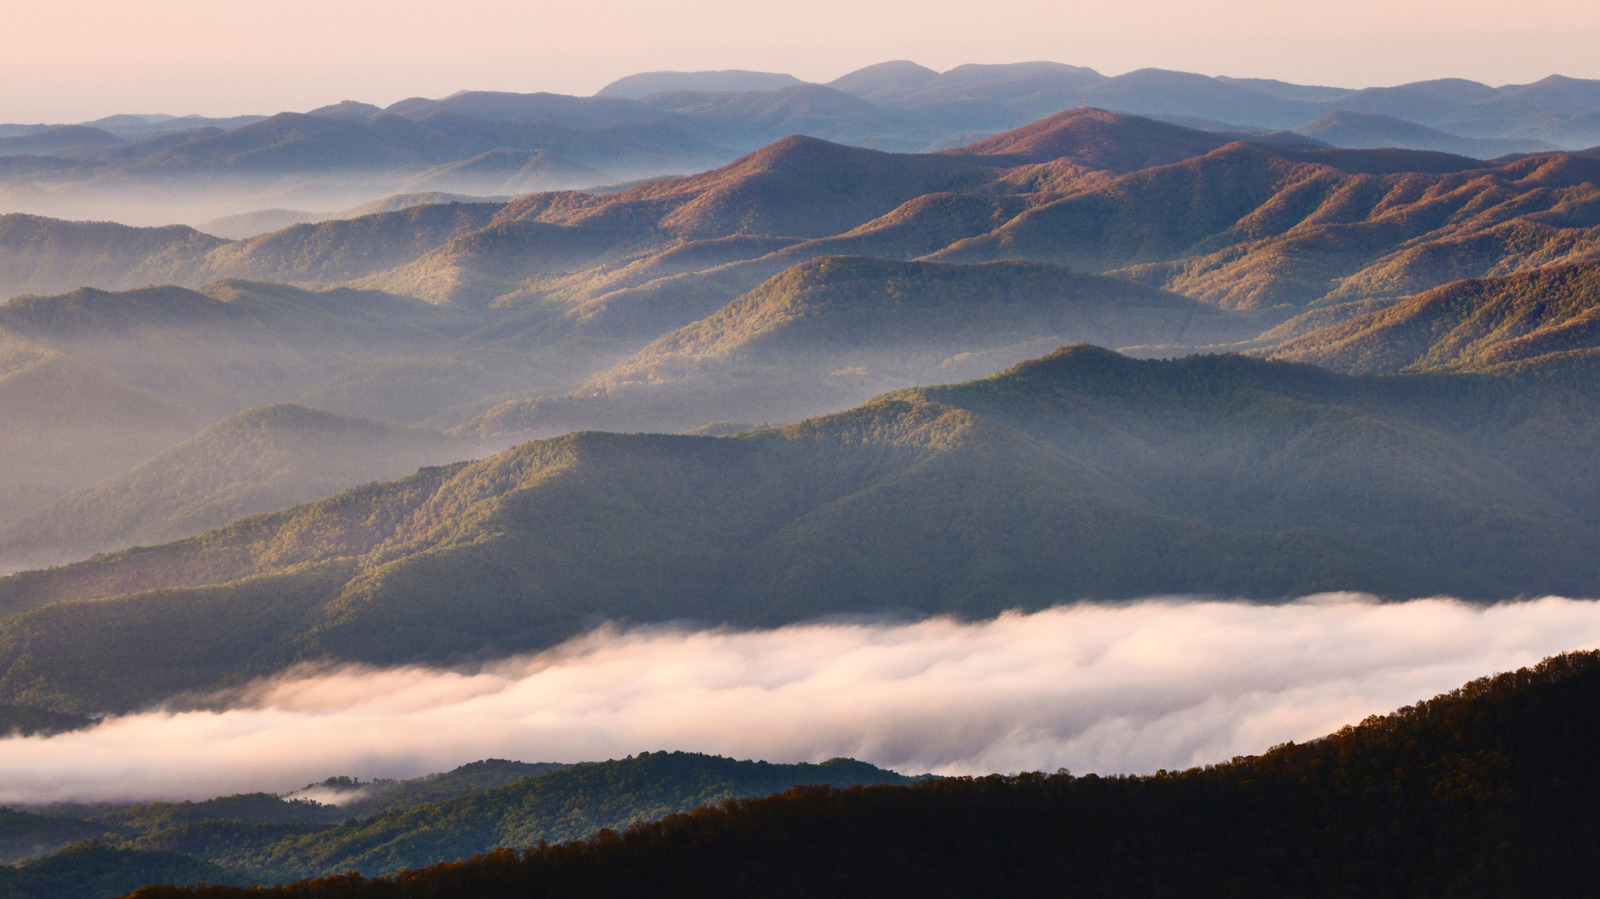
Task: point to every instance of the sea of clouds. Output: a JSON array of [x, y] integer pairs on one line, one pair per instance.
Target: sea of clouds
[[1162, 683]]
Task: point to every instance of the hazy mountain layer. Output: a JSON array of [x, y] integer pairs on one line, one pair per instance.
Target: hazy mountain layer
[[831, 333], [157, 169], [236, 345], [1083, 475], [258, 461], [1239, 225], [69, 424]]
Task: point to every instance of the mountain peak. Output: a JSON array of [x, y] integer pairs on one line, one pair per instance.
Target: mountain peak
[[886, 80], [1096, 139], [646, 83]]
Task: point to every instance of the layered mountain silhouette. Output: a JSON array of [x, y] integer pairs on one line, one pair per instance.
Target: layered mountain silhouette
[[1238, 224], [158, 169]]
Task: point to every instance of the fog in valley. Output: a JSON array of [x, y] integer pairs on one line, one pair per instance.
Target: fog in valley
[[1161, 683]]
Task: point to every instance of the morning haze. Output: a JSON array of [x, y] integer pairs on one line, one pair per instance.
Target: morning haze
[[719, 429]]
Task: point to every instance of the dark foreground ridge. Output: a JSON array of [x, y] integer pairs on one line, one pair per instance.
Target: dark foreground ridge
[[1486, 790]]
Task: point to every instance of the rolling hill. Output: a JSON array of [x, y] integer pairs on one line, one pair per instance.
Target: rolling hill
[[1246, 225], [1264, 225], [830, 333], [1085, 474]]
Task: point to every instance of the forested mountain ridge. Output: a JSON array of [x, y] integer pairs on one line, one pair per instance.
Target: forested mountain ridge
[[1481, 791], [1477, 324], [265, 838], [1085, 474], [571, 803]]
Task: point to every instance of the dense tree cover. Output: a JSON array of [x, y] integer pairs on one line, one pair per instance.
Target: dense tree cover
[[45, 829], [567, 804], [26, 834], [449, 816], [21, 720], [1479, 324], [356, 798], [96, 871], [1487, 790], [1082, 475]]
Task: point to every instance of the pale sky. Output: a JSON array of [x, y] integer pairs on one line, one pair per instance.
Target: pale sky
[[74, 60]]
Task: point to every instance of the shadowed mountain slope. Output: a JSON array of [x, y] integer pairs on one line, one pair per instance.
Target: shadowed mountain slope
[[95, 871], [570, 803], [1083, 475]]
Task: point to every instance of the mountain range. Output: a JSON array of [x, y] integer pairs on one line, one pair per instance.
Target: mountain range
[[801, 279], [910, 343], [159, 169]]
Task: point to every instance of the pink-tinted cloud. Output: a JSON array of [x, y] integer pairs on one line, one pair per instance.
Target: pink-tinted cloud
[[1092, 688]]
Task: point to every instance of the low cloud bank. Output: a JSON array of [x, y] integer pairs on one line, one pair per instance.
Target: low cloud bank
[[1126, 688]]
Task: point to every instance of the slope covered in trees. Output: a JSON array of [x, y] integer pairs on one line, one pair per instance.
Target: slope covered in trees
[[1486, 790], [1478, 324], [1085, 474], [571, 803], [388, 827]]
